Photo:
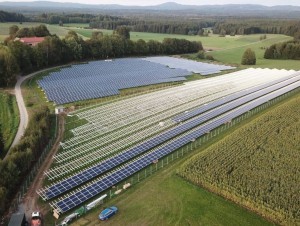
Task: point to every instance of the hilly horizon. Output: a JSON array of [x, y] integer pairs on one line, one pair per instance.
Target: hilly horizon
[[164, 6], [169, 8]]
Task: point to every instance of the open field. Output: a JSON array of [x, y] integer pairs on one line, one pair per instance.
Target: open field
[[9, 120], [234, 55], [257, 165]]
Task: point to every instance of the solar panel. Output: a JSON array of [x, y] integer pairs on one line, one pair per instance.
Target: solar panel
[[190, 65], [104, 183]]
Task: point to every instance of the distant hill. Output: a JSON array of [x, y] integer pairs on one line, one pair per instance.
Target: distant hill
[[169, 7]]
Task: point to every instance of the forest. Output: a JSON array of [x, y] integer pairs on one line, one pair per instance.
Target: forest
[[11, 17], [23, 156]]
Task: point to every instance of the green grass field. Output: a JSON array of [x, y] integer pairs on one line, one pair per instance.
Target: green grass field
[[234, 54], [9, 120], [166, 199]]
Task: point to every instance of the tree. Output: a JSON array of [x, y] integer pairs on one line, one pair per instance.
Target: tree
[[8, 67], [13, 31], [40, 31], [297, 35], [201, 54], [249, 57], [155, 47], [201, 32], [24, 32], [1, 140], [223, 33], [123, 31], [141, 47], [96, 35], [23, 55]]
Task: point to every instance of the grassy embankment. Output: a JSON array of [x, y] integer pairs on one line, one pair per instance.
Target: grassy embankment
[[9, 120]]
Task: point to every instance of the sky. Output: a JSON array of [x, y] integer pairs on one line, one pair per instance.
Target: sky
[[184, 2]]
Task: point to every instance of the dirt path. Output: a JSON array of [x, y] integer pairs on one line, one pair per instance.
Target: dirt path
[[30, 203]]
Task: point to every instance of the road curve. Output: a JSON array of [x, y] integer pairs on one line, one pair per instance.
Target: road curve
[[22, 109]]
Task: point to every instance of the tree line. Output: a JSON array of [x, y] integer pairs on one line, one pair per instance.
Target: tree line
[[176, 24], [256, 26], [184, 27], [17, 57], [23, 156], [285, 50], [11, 17]]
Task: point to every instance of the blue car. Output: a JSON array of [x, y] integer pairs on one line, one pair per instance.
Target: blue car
[[108, 212]]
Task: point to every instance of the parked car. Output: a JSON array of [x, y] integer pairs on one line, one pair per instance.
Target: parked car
[[108, 213]]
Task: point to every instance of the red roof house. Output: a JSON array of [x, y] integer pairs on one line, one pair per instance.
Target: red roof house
[[31, 41]]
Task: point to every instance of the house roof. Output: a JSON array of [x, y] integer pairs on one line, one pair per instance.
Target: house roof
[[32, 39]]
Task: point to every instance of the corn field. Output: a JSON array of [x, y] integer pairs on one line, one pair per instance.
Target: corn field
[[257, 166]]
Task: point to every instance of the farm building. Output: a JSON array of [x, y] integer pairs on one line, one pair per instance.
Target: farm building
[[31, 41]]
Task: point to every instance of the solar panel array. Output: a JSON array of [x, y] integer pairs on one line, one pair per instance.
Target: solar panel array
[[227, 104], [123, 137], [105, 78], [190, 65], [97, 187]]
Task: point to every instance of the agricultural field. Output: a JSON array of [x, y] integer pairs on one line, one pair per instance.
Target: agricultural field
[[256, 165], [9, 120]]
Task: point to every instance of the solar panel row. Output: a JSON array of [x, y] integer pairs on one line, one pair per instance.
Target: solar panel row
[[99, 186], [190, 65], [103, 78], [227, 104], [190, 114]]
